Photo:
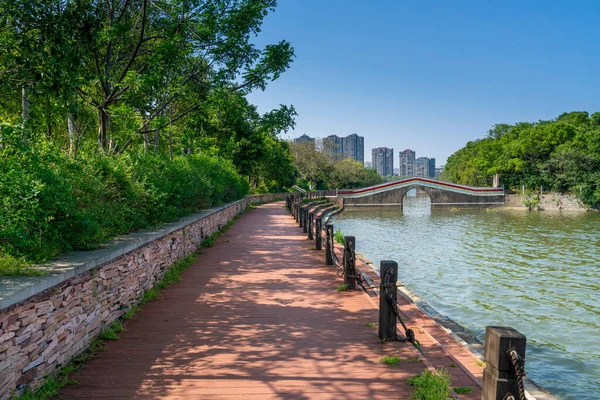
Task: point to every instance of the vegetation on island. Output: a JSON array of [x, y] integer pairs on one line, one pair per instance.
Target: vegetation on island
[[561, 155]]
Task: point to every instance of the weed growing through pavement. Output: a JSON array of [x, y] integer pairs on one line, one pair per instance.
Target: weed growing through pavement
[[342, 288]]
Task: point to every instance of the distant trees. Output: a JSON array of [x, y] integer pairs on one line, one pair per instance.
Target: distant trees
[[318, 171], [561, 155]]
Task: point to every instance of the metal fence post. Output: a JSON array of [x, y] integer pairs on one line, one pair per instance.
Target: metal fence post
[[311, 224], [329, 239], [500, 379], [388, 272], [349, 261], [318, 233], [296, 211]]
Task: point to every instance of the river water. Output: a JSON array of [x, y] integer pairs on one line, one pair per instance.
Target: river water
[[538, 272]]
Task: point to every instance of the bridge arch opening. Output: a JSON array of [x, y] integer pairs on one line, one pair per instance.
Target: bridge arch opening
[[416, 202]]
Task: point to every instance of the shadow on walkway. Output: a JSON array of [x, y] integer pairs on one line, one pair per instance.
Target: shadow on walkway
[[256, 316]]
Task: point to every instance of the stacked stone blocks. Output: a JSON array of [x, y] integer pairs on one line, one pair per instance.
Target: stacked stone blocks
[[46, 331]]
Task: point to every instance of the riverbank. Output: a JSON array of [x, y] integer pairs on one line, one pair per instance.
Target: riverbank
[[457, 332], [547, 202], [532, 271]]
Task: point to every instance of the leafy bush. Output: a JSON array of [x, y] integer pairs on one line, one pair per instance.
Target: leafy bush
[[51, 203]]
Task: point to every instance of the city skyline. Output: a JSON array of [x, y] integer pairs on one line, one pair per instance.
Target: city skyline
[[443, 77], [382, 158]]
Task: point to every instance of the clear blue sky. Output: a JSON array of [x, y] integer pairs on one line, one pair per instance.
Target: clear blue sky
[[432, 75]]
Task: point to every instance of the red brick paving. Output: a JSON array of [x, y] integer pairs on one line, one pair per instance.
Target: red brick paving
[[258, 316]]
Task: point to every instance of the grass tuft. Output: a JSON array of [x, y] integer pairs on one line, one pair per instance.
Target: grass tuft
[[390, 360], [463, 390], [15, 266], [338, 236], [342, 288], [371, 324], [431, 385]]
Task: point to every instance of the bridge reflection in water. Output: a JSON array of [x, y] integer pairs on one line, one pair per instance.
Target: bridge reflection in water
[[416, 202]]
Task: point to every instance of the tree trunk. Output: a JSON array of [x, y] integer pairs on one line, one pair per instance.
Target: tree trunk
[[72, 134], [104, 120], [170, 138], [25, 107]]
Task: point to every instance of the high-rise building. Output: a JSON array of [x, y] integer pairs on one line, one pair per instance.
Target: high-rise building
[[351, 146], [422, 167], [332, 146], [304, 139], [383, 160], [432, 168], [407, 163]]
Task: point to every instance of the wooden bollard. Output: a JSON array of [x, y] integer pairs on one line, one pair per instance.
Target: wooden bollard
[[328, 249], [387, 317], [318, 233], [305, 220], [499, 377], [349, 262]]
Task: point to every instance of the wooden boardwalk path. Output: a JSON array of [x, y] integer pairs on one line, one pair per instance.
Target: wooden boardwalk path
[[256, 316]]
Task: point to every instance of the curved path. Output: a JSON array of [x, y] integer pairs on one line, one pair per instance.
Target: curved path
[[256, 316]]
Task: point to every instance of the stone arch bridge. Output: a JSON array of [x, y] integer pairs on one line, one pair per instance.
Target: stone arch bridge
[[442, 194]]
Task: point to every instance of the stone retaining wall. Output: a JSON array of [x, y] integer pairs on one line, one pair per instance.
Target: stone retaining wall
[[549, 202], [45, 331]]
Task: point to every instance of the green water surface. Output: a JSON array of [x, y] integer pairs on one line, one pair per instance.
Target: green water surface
[[538, 272]]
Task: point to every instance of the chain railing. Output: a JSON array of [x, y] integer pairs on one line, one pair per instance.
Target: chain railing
[[504, 347]]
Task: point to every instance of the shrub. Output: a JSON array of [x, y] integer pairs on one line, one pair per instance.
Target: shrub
[[51, 203]]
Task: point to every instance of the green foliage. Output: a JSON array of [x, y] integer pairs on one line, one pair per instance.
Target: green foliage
[[108, 334], [531, 202], [562, 155], [317, 171], [338, 236], [463, 390], [51, 203], [342, 288], [431, 386], [117, 91], [390, 360], [16, 266]]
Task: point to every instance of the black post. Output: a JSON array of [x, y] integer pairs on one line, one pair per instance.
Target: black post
[[388, 272], [296, 211], [318, 233], [349, 262], [329, 239], [311, 224], [499, 376], [301, 220], [305, 220]]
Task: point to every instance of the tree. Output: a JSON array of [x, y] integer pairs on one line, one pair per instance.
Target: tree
[[157, 49]]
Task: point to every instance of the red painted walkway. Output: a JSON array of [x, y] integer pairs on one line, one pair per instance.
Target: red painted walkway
[[256, 316]]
